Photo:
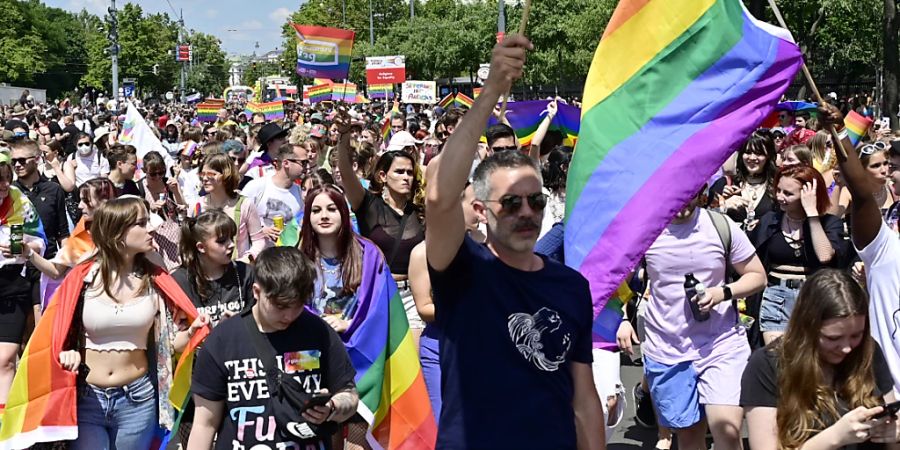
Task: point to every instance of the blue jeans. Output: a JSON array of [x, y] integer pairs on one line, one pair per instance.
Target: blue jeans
[[776, 308], [122, 418], [429, 355]]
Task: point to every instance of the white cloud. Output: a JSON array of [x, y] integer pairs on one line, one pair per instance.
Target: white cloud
[[280, 15], [250, 25], [93, 6]]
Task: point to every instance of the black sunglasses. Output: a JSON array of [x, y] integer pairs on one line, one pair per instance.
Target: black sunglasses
[[21, 161], [503, 149], [511, 204], [302, 162], [156, 174]]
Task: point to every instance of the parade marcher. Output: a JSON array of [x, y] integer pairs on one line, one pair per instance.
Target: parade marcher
[[315, 364], [123, 165], [387, 212], [822, 383], [557, 170], [262, 162], [875, 158], [751, 193], [797, 155], [163, 195], [15, 290], [793, 242], [220, 181], [51, 163], [279, 195], [694, 347], [86, 163], [523, 320]]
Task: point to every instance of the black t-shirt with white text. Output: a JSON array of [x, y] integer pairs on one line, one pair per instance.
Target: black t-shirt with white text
[[224, 294], [509, 340], [228, 370]]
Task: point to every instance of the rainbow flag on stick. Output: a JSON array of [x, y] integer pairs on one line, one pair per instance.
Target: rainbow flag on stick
[[319, 93], [323, 52], [206, 111], [446, 101], [679, 100], [463, 100], [343, 92], [272, 110], [857, 125], [392, 395], [526, 117], [381, 91], [476, 92]]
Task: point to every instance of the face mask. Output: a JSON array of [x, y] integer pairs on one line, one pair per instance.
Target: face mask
[[20, 134], [84, 149]]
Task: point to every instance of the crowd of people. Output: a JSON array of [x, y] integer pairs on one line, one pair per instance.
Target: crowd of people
[[264, 232]]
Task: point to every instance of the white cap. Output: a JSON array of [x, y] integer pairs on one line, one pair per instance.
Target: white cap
[[401, 140]]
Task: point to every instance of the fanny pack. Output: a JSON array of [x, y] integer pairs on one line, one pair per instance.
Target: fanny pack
[[287, 398]]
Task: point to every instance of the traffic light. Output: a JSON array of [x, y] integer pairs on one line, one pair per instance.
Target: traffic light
[[113, 31]]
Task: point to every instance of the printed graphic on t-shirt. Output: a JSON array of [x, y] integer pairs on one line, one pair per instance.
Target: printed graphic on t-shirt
[[277, 207], [537, 339]]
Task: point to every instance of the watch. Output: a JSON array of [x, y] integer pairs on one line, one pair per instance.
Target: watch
[[727, 291]]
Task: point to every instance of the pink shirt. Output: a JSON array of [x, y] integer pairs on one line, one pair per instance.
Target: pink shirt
[[250, 238], [672, 335]]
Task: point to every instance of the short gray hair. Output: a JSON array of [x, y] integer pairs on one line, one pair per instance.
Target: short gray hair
[[501, 160]]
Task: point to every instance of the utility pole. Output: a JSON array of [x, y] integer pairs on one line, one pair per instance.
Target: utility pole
[[181, 41], [412, 9], [114, 49]]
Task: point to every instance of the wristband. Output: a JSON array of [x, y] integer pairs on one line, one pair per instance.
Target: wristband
[[727, 292]]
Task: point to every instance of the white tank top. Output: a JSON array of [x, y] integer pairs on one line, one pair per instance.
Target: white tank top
[[118, 326]]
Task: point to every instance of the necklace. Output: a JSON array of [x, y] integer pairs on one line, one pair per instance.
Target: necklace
[[755, 190], [793, 236], [334, 271]]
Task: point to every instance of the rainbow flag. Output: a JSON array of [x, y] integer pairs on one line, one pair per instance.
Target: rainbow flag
[[386, 127], [17, 209], [446, 101], [322, 81], [463, 100], [392, 395], [361, 98], [476, 92], [526, 117], [272, 110], [206, 111], [42, 403], [290, 234], [323, 52], [77, 247], [692, 80], [381, 91], [320, 93], [856, 125], [343, 92]]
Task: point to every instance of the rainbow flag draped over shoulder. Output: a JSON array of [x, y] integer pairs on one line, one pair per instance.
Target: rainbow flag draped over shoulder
[[323, 52], [692, 79], [17, 209], [272, 110], [42, 403], [526, 117], [392, 395]]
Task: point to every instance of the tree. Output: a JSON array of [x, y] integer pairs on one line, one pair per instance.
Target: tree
[[891, 61], [209, 73], [21, 47]]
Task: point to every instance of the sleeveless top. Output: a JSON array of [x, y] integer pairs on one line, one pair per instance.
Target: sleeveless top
[[118, 326]]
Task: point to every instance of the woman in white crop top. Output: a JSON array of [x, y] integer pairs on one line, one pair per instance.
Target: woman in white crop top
[[121, 306]]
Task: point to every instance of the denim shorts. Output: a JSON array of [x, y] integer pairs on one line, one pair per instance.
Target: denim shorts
[[117, 418], [776, 307]]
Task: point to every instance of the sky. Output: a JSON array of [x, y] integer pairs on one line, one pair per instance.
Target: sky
[[239, 24]]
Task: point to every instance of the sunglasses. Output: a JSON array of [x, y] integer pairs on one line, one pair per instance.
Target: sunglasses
[[302, 162], [868, 149], [511, 204], [156, 174], [209, 174], [503, 149], [21, 161]]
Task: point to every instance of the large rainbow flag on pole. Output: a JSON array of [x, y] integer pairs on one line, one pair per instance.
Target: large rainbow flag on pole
[[392, 394], [272, 110], [323, 52], [691, 80]]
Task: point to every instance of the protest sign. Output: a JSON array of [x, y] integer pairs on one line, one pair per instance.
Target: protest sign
[[385, 69], [419, 92]]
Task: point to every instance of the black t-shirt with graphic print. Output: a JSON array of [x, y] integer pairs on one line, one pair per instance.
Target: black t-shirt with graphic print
[[509, 339], [224, 294], [227, 369]]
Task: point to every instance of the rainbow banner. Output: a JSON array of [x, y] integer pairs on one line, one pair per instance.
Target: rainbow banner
[[206, 111], [446, 101], [323, 52], [857, 126], [42, 403], [319, 93], [692, 80], [463, 100], [343, 92], [526, 117], [381, 91], [392, 394], [272, 110]]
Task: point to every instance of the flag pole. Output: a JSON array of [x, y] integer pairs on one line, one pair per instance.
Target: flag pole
[[523, 24], [809, 80]]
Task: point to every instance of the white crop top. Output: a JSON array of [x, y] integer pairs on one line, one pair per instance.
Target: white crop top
[[118, 326]]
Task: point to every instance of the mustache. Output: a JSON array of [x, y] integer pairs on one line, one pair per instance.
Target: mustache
[[526, 225]]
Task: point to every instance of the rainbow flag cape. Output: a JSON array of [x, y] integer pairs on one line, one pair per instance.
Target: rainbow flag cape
[[320, 93], [290, 234], [526, 117], [463, 100], [446, 101], [856, 125], [272, 110], [206, 111], [42, 403], [323, 52], [692, 80], [17, 209], [392, 395], [77, 246], [381, 91]]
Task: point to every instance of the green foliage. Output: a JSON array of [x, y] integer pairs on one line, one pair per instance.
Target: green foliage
[[209, 73], [258, 70]]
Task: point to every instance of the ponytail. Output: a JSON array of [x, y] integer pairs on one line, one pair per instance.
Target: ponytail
[[194, 230]]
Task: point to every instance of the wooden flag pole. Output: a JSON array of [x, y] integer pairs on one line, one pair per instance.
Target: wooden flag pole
[[523, 24], [812, 84]]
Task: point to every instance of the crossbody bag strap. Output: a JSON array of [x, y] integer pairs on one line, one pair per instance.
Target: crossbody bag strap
[[263, 348], [237, 222], [723, 229]]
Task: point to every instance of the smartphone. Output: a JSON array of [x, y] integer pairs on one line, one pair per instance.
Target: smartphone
[[317, 400], [890, 409]]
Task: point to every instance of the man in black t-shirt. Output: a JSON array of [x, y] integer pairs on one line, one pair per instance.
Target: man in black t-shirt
[[516, 345], [229, 384]]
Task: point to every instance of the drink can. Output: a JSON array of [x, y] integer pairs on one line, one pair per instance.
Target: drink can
[[16, 237], [278, 222]]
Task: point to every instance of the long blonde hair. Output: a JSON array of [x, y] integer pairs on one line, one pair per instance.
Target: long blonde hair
[[806, 404], [111, 223]]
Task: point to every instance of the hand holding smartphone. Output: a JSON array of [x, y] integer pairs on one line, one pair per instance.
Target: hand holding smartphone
[[890, 409]]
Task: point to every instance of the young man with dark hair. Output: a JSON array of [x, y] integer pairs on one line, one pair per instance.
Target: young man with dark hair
[[501, 137], [123, 162], [279, 194], [230, 385]]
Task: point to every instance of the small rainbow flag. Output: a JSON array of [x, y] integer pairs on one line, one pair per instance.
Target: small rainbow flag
[[857, 126], [320, 93], [715, 73], [323, 52], [476, 92], [446, 101], [16, 208], [392, 395], [206, 111], [290, 234], [526, 117], [463, 100], [381, 91], [272, 110], [343, 92]]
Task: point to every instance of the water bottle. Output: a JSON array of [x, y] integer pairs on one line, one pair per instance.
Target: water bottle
[[694, 288]]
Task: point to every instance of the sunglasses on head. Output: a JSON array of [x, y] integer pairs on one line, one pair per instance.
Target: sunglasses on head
[[511, 204], [868, 149]]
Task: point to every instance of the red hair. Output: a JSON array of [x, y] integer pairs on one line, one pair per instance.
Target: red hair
[[806, 174], [349, 250]]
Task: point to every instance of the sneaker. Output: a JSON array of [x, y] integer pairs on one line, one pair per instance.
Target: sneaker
[[643, 407]]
